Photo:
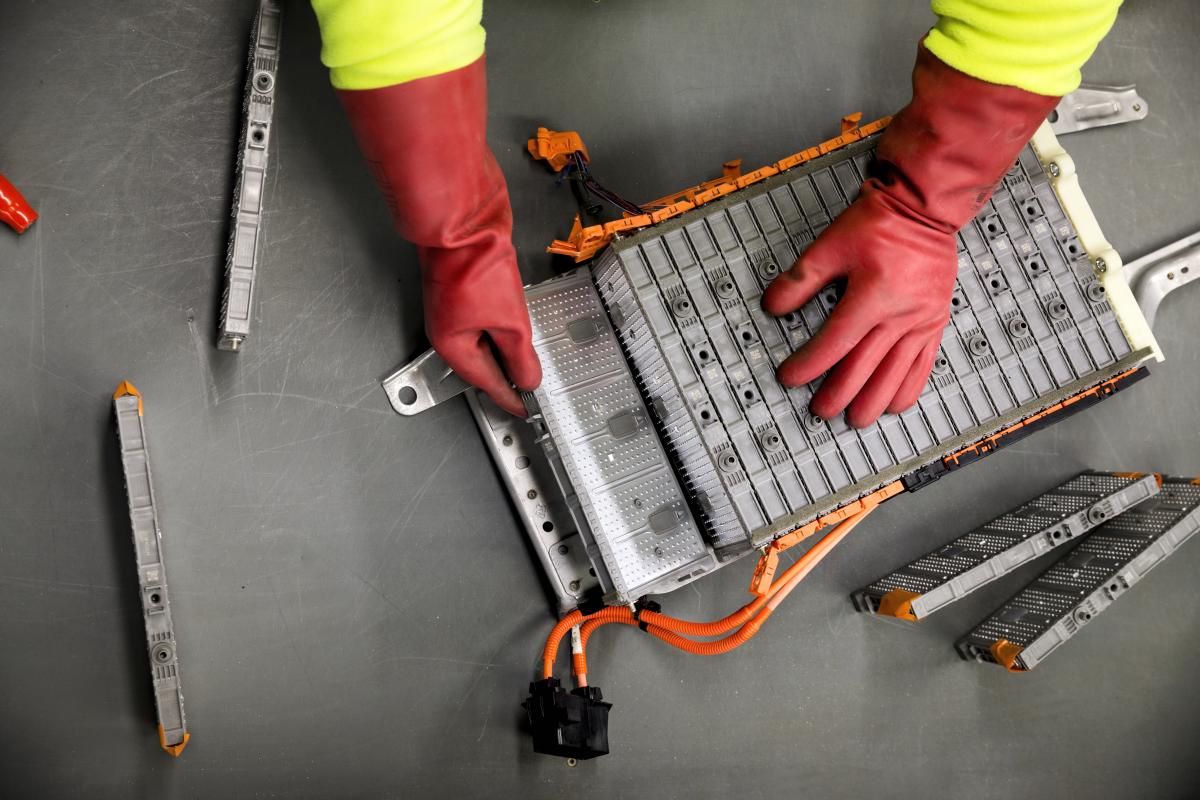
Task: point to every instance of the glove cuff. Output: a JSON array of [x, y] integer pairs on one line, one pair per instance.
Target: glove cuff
[[941, 157]]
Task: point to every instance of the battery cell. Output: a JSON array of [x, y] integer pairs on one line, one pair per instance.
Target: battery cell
[[1069, 595], [980, 556]]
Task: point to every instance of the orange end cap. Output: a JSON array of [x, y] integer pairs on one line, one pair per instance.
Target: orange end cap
[[174, 749], [1005, 653], [126, 388], [850, 121], [898, 603]]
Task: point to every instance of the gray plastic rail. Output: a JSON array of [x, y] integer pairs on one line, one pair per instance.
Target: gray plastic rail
[[991, 551], [152, 575], [250, 178], [1057, 604]]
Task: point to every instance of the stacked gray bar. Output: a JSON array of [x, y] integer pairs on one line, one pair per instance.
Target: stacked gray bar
[[1030, 325], [152, 576], [598, 436], [249, 187], [1011, 540], [1083, 583]]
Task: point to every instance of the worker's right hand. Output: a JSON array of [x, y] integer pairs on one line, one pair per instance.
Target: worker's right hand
[[426, 143], [882, 337]]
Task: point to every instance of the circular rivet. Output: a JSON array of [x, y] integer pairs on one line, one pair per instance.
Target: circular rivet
[[1095, 292], [1057, 309], [1018, 327], [940, 366], [771, 441], [728, 462], [682, 307], [813, 422], [979, 346]]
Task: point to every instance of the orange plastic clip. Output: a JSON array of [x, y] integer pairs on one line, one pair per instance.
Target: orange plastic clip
[[1005, 653], [898, 603], [174, 749], [555, 147], [127, 388]]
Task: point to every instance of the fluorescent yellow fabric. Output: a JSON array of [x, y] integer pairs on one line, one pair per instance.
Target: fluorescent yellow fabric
[[1037, 45], [372, 43]]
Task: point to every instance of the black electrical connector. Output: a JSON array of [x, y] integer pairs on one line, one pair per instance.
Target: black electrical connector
[[569, 724]]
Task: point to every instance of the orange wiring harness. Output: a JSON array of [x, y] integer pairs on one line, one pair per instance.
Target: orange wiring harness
[[747, 620]]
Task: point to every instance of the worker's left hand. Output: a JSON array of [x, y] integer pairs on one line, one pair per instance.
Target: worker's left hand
[[882, 337]]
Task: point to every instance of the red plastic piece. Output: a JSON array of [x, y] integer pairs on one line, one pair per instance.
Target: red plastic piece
[[15, 211]]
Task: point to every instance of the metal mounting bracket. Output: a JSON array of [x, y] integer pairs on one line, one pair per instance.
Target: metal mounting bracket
[[1094, 106], [1155, 275], [421, 384]]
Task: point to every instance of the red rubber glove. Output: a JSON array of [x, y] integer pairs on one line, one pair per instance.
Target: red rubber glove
[[14, 210], [936, 165], [426, 144]]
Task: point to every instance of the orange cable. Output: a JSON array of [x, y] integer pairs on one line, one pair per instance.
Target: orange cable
[[748, 619]]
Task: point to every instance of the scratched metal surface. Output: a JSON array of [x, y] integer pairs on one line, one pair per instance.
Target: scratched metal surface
[[356, 611]]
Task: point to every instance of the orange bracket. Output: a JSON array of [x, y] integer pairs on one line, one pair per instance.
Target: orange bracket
[[582, 243], [556, 147], [124, 388], [768, 565], [898, 603], [174, 749], [1005, 653]]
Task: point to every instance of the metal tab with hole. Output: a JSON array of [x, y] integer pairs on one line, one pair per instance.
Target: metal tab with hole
[[421, 384], [151, 569], [1096, 106]]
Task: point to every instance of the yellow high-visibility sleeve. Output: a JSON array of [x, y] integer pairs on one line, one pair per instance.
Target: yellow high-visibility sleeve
[[1036, 45], [372, 43]]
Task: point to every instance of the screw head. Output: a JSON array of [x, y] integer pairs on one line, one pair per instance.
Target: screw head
[[573, 586], [1100, 265], [563, 549], [531, 494], [1054, 170]]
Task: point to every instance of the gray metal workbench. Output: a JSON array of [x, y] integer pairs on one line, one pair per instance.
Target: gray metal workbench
[[356, 609]]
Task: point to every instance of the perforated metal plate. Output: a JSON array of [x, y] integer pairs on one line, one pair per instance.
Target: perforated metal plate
[[979, 557], [612, 468], [1098, 570]]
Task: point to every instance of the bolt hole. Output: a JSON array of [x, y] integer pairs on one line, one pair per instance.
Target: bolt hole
[[1184, 270], [592, 571], [257, 136], [995, 283], [507, 441], [407, 395], [1114, 587], [955, 302], [749, 395], [747, 335], [705, 415], [522, 462], [547, 526]]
